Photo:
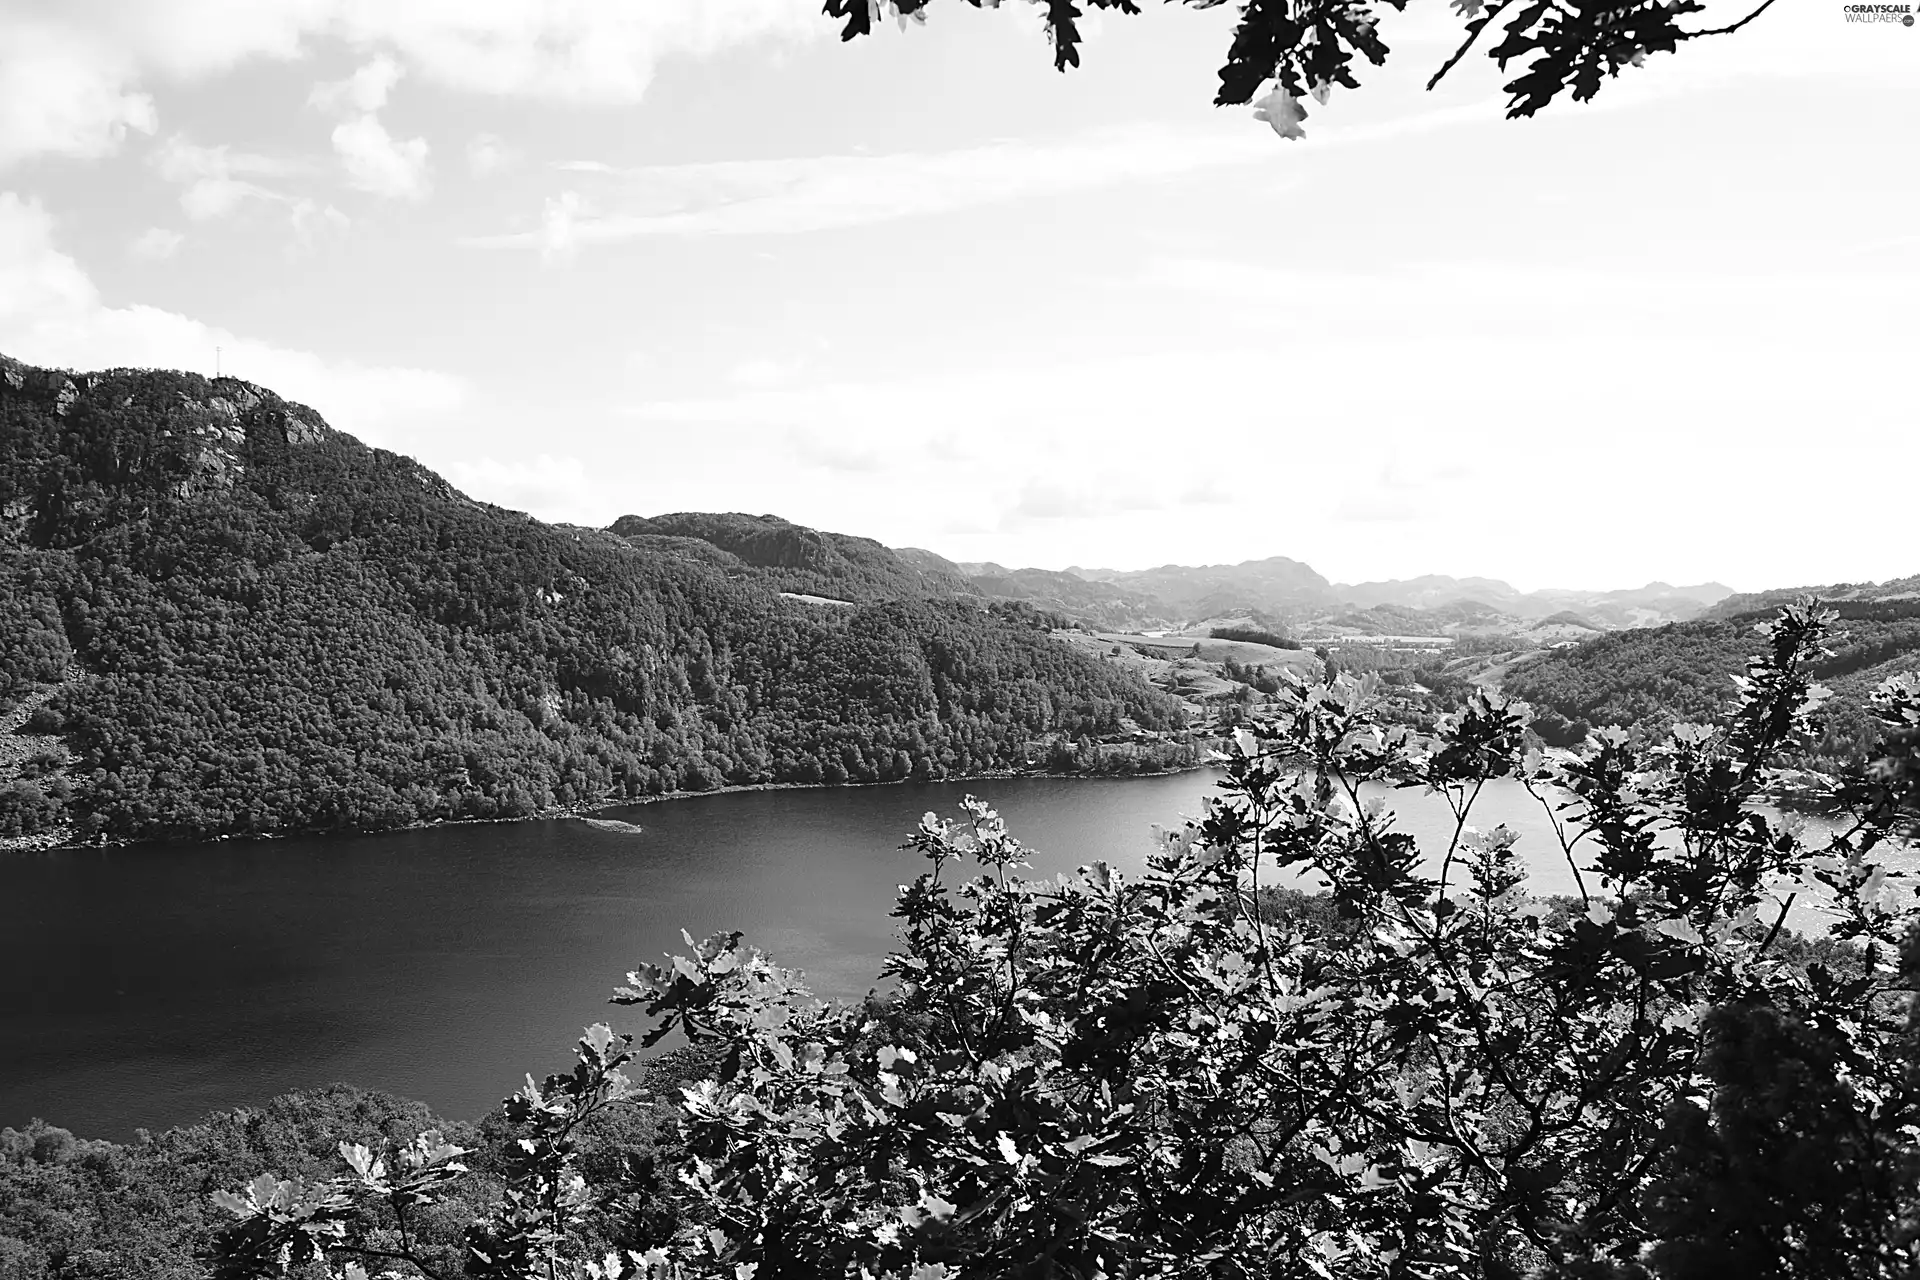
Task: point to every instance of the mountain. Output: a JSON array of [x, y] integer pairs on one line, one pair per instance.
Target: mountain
[[1276, 585], [1431, 591], [1651, 605], [218, 616], [1188, 596]]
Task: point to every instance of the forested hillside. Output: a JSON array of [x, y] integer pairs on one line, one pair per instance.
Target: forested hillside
[[223, 617], [1652, 679], [791, 557]]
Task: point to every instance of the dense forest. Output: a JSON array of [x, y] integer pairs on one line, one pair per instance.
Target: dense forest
[[220, 616], [791, 557], [1651, 679]]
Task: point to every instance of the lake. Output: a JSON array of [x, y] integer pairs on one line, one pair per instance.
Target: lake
[[147, 986]]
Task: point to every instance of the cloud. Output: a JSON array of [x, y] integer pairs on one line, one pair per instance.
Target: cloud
[[212, 186], [1057, 500], [63, 94], [155, 244], [364, 91], [558, 226], [551, 487], [52, 314], [579, 51], [209, 177], [375, 161], [799, 194], [380, 163], [830, 451], [814, 193], [312, 219], [1327, 413], [74, 75], [487, 154]]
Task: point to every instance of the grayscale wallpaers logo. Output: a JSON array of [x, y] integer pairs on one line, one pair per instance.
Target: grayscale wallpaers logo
[[1900, 13]]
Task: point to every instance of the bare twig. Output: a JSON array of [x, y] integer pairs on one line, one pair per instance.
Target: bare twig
[[1727, 31], [1473, 33]]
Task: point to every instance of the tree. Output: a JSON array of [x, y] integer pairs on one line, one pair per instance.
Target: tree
[[1424, 1072], [1305, 47]]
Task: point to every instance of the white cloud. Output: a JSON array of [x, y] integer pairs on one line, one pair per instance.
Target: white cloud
[[553, 488], [62, 93], [208, 181], [155, 244], [792, 195], [585, 51], [380, 163], [488, 154], [812, 193], [311, 220], [558, 225], [74, 74], [52, 314], [365, 91], [375, 160]]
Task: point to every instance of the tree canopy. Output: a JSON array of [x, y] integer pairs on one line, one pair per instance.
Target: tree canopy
[[1304, 48]]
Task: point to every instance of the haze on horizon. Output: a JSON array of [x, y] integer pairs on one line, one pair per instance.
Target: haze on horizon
[[586, 260]]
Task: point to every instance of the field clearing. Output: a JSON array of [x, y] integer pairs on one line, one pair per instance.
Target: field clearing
[[1250, 654], [1156, 646], [1385, 641]]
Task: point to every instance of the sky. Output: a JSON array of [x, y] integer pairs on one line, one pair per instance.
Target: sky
[[588, 259]]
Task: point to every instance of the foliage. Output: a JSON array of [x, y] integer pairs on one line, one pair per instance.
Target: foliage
[[1305, 47], [84, 1209], [274, 628], [80, 1209], [1426, 1074]]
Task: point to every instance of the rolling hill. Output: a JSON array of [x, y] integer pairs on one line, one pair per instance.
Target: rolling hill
[[1649, 679]]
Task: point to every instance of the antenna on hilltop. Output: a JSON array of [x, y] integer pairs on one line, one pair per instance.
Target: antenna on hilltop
[[216, 362]]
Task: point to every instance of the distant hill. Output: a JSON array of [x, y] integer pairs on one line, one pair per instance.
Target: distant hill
[[1895, 590], [1275, 585], [1650, 679], [1101, 605], [1432, 591], [218, 616], [1185, 596], [1651, 605], [792, 557]]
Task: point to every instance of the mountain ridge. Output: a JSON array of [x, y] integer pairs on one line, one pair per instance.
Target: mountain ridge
[[1176, 596]]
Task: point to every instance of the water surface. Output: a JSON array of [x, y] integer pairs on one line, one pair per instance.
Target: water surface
[[147, 986]]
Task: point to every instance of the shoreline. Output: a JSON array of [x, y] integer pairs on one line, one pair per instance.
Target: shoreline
[[51, 842]]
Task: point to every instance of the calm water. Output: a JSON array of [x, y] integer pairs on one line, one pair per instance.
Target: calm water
[[148, 986]]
